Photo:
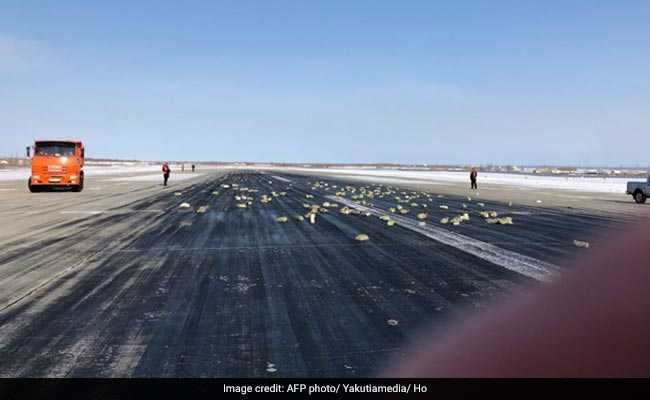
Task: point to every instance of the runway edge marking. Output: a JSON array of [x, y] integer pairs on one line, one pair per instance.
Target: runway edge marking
[[281, 178], [525, 265]]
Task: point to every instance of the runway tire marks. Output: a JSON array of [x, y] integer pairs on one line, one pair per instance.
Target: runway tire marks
[[225, 292]]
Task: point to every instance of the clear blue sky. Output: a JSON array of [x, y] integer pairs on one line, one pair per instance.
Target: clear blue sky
[[331, 81]]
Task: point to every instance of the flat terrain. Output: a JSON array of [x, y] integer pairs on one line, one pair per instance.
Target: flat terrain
[[120, 281]]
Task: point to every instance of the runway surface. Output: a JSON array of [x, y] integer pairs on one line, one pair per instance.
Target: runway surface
[[119, 280]]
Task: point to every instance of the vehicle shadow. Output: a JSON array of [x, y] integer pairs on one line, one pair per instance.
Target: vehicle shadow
[[629, 202]]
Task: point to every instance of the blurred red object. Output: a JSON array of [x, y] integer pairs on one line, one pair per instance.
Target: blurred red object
[[594, 321]]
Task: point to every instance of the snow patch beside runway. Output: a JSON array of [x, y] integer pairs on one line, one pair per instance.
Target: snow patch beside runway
[[386, 181], [24, 173], [576, 183], [16, 174], [281, 178], [153, 178]]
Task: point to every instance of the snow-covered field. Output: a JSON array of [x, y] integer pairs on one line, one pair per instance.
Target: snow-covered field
[[388, 176], [583, 184], [14, 174], [96, 170], [154, 178], [23, 173]]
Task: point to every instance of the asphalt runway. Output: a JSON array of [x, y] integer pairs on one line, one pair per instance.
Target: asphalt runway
[[119, 281]]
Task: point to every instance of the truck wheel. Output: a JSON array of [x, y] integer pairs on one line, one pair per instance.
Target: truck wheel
[[639, 197], [33, 189], [80, 186]]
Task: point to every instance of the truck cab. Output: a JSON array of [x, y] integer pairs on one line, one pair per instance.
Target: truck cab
[[56, 163], [640, 191]]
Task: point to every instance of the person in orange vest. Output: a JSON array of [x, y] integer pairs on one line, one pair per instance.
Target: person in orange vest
[[472, 178], [165, 171]]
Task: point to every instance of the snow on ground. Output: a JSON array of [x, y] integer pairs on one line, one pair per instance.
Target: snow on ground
[[389, 181], [14, 174], [95, 170], [583, 184], [154, 178], [24, 173]]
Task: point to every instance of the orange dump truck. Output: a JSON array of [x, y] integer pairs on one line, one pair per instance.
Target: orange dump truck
[[57, 163]]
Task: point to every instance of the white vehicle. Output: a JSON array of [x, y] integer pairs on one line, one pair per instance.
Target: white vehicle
[[639, 190]]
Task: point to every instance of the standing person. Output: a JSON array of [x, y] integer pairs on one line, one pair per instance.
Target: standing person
[[472, 178], [165, 171], [193, 167]]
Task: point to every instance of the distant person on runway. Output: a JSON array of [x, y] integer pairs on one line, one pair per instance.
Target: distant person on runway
[[165, 171], [472, 177], [193, 167]]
